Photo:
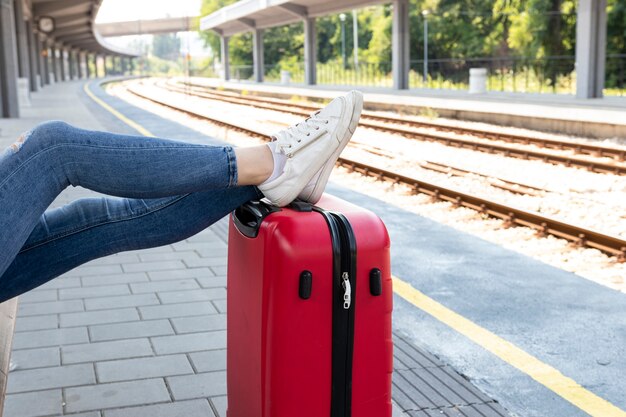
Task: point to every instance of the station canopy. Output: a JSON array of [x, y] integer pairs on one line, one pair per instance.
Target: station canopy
[[258, 14], [74, 25]]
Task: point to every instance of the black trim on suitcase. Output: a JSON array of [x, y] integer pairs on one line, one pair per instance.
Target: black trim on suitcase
[[344, 260]]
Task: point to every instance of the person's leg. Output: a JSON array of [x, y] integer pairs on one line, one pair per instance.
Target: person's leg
[[94, 227], [54, 155]]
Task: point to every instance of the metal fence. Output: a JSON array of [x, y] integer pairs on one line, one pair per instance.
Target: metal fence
[[554, 74]]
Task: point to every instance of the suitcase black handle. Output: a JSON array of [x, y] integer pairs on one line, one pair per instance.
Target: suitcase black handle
[[249, 216]]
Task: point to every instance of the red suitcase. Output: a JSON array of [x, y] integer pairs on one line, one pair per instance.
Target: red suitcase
[[309, 312]]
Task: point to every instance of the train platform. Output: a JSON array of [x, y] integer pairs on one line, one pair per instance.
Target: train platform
[[600, 118], [478, 329]]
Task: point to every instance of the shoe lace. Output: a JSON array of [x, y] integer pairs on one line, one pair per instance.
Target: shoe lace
[[287, 138]]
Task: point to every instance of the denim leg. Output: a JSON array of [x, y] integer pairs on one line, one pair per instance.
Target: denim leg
[[95, 227], [54, 155]]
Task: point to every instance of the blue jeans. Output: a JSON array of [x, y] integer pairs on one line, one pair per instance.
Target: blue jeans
[[165, 191]]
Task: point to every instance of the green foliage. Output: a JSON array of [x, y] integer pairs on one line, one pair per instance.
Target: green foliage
[[166, 46], [534, 31]]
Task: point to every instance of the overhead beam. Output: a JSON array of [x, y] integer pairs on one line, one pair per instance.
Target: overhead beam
[[71, 19], [249, 23], [295, 9], [58, 7]]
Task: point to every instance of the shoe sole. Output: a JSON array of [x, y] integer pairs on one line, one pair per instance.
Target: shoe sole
[[320, 185]]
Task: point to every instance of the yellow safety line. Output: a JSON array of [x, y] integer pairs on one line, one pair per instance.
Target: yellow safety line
[[546, 375], [117, 114]]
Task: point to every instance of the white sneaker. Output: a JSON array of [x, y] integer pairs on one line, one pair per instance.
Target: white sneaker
[[312, 147]]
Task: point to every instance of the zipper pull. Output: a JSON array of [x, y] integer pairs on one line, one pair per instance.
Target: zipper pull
[[347, 295]]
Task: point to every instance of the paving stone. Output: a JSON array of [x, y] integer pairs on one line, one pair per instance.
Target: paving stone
[[117, 258], [198, 386], [130, 330], [192, 295], [50, 307], [191, 408], [121, 301], [91, 414], [59, 282], [219, 270], [193, 342], [119, 394], [210, 252], [220, 404], [25, 324], [86, 271], [34, 404], [142, 368], [196, 246], [199, 323], [211, 262], [178, 274], [37, 296], [177, 310], [36, 358], [117, 349], [177, 285], [53, 377], [92, 292], [90, 318], [220, 305], [152, 257], [125, 278], [209, 361], [212, 281], [153, 266], [53, 337]]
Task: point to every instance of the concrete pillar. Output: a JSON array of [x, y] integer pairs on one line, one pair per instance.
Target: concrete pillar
[[9, 106], [39, 60], [55, 62], [63, 64], [32, 56], [590, 48], [104, 65], [87, 69], [310, 51], [79, 64], [72, 62], [400, 44], [45, 68], [257, 55], [96, 73], [22, 40], [225, 57]]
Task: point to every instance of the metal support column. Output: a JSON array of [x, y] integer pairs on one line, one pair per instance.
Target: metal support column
[[224, 56], [32, 56], [590, 48], [9, 106], [400, 44], [257, 55], [72, 64], [104, 65], [310, 51], [124, 65], [22, 40]]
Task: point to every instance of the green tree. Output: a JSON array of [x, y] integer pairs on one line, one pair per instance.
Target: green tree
[[166, 46]]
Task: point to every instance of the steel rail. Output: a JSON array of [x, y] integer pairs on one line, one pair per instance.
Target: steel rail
[[619, 154], [506, 150], [512, 216]]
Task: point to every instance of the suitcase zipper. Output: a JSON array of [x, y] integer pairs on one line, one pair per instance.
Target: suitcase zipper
[[344, 272]]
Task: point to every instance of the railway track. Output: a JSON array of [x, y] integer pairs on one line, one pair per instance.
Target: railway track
[[512, 216], [403, 126]]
